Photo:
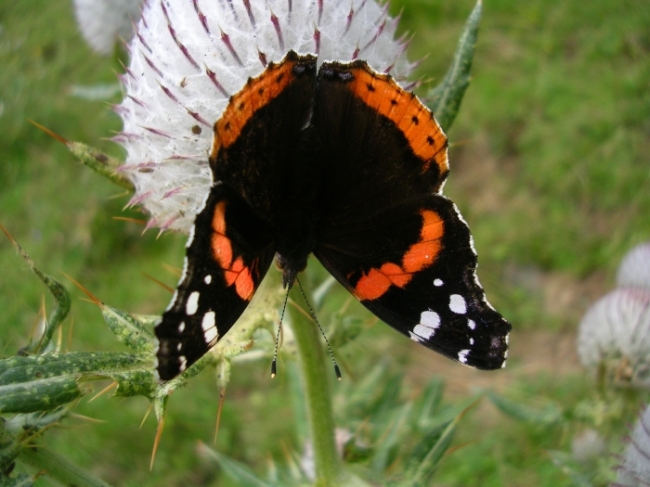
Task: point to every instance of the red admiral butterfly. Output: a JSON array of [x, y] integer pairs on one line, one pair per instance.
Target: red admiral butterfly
[[340, 162]]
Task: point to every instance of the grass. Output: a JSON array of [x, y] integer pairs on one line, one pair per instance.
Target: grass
[[549, 166]]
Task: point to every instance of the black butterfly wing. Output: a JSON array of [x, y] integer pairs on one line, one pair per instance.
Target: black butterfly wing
[[234, 237], [386, 232], [227, 257], [413, 265]]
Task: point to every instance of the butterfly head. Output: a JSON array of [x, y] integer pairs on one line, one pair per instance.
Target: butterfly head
[[290, 268]]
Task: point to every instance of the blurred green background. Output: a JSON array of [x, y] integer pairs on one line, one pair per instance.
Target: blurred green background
[[550, 166]]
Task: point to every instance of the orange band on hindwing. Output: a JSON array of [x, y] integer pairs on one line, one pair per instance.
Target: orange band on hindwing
[[235, 271], [376, 282], [381, 93]]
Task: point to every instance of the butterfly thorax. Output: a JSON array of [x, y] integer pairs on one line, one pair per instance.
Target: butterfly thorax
[[294, 242]]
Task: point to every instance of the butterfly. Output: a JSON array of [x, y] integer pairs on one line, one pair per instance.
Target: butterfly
[[338, 161]]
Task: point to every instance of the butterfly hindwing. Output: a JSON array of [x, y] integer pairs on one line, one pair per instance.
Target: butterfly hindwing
[[413, 265]]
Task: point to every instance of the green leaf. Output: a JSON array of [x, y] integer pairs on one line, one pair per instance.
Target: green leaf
[[235, 470], [427, 454], [390, 439], [446, 97], [548, 416], [44, 382], [426, 406], [22, 480], [61, 297], [127, 329], [39, 395], [59, 468]]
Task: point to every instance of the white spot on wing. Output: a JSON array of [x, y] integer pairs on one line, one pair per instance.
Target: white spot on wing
[[208, 323], [471, 324], [182, 363], [207, 279], [179, 346], [414, 337], [181, 327], [429, 321], [457, 304], [438, 282], [462, 356], [192, 304], [471, 341], [424, 331]]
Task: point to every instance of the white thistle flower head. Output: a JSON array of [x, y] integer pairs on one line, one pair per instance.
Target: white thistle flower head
[[634, 270], [615, 333], [635, 469], [188, 57], [103, 23]]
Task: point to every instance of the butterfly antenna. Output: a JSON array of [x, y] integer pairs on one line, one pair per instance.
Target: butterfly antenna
[[337, 371], [274, 364]]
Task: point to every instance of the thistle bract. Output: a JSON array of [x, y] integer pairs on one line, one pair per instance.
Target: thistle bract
[[615, 334]]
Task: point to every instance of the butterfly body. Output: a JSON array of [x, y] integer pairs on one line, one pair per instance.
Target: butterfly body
[[340, 162]]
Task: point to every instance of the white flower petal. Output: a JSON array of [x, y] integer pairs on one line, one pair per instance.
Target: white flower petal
[[617, 328], [635, 469], [635, 267], [103, 23]]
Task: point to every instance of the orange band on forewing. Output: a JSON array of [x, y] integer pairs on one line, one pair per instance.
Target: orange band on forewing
[[235, 273], [376, 282], [257, 93], [382, 94]]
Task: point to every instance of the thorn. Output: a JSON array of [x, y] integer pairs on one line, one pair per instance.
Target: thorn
[[59, 338], [146, 415], [262, 57], [222, 397], [152, 66], [247, 4], [175, 271], [131, 220], [349, 22], [225, 38], [150, 224], [49, 132], [317, 40], [278, 30], [92, 297], [113, 385], [156, 442], [160, 283], [213, 77], [87, 418], [69, 344], [6, 232]]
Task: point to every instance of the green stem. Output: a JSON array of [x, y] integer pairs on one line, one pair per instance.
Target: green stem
[[60, 468], [315, 371]]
